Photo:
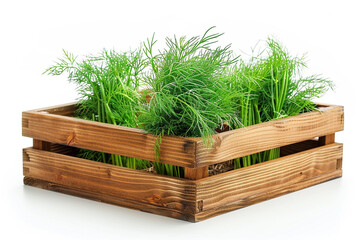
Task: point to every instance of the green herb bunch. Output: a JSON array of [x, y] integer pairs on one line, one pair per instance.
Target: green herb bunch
[[187, 97], [107, 84], [271, 86], [196, 88]]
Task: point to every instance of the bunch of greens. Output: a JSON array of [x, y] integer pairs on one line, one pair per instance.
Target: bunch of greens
[[270, 86], [187, 97], [195, 89], [107, 84]]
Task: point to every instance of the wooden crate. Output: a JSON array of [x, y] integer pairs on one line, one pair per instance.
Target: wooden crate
[[309, 156]]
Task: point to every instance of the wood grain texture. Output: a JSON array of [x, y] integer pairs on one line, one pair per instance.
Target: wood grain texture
[[42, 145], [115, 200], [44, 125], [191, 200], [328, 139], [196, 173], [51, 164], [108, 138], [272, 134], [105, 182], [267, 194], [246, 186]]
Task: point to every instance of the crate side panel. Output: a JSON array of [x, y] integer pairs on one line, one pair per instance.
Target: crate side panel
[[108, 138], [116, 200], [272, 134], [266, 195], [175, 195], [242, 185]]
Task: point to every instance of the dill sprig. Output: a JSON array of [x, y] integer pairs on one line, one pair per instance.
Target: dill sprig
[[271, 86], [187, 97], [195, 89], [108, 86]]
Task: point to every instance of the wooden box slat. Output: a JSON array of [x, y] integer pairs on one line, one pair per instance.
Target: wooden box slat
[[116, 200], [263, 181], [192, 200], [269, 193], [108, 138], [49, 124], [272, 134], [305, 161], [174, 194]]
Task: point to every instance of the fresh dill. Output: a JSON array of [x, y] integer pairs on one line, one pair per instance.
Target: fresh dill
[[194, 89]]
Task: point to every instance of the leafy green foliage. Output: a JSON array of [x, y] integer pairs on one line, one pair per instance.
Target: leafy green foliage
[[108, 85], [187, 97], [270, 86], [196, 89]]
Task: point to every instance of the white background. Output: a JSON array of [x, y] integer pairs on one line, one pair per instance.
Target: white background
[[32, 35]]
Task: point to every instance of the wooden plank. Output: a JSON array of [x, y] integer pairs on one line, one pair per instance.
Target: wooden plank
[[260, 137], [67, 109], [328, 139], [186, 152], [239, 188], [196, 173], [41, 145], [191, 200], [115, 200], [116, 184], [131, 142], [266, 195]]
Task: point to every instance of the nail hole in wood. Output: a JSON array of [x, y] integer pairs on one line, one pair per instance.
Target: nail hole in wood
[[200, 205]]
